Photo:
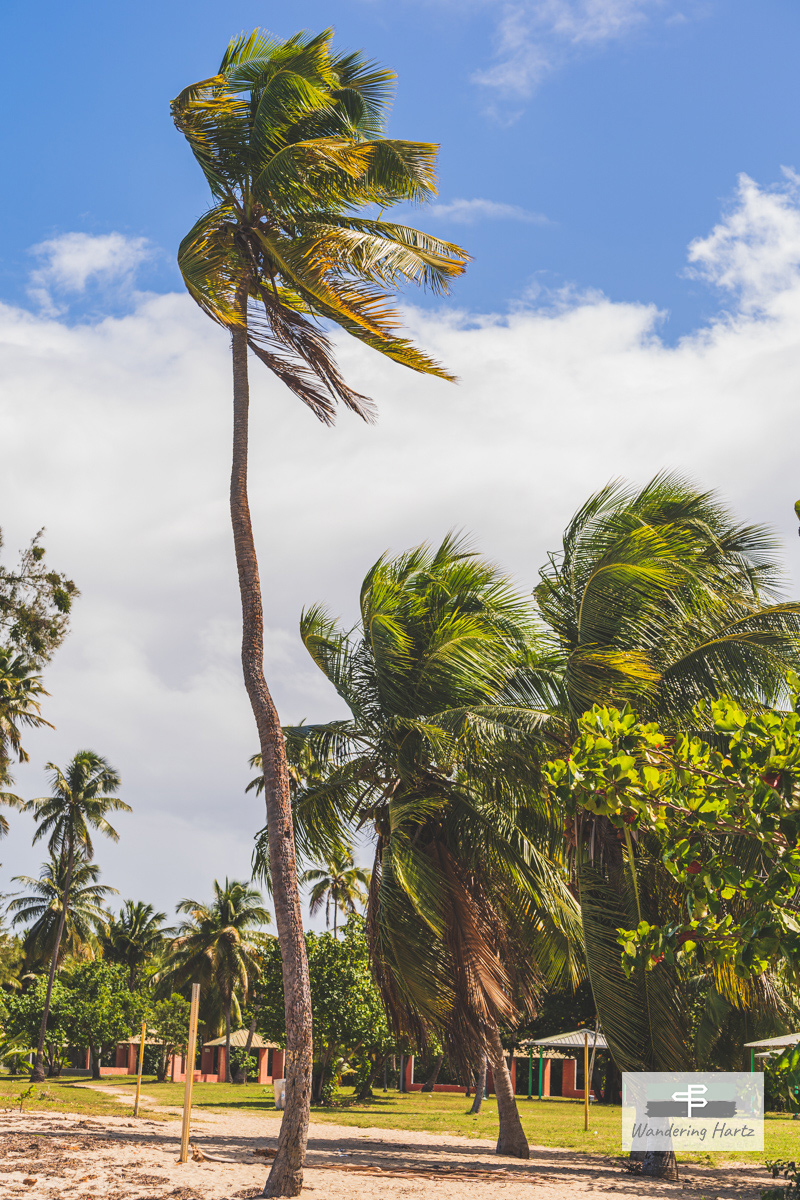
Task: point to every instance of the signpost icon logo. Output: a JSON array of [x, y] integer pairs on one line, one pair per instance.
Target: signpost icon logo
[[692, 1090]]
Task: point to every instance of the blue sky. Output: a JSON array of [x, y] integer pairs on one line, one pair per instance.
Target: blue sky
[[622, 123], [615, 168]]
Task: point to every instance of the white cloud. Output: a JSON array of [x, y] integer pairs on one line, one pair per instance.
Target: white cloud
[[536, 37], [72, 260], [116, 437], [754, 251], [467, 212]]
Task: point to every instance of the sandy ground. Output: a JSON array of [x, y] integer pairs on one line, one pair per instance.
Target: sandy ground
[[57, 1156]]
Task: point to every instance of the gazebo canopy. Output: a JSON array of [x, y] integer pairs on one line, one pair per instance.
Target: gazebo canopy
[[788, 1039], [239, 1041], [572, 1041]]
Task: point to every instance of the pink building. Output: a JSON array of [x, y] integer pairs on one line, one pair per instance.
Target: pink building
[[411, 1086], [212, 1059]]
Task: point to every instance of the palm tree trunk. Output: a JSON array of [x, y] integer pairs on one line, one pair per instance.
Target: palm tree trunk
[[335, 912], [37, 1075], [365, 1091], [430, 1082], [660, 1164], [480, 1088], [512, 1140], [241, 1074], [228, 1078], [323, 1067], [286, 1176]]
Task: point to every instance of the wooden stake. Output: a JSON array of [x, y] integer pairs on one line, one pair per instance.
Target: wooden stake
[[139, 1072], [191, 1052], [586, 1081]]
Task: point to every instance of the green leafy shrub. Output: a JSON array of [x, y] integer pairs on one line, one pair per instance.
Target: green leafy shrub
[[790, 1172], [239, 1059]]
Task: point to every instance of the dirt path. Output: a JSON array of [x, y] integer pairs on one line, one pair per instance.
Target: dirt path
[[53, 1156]]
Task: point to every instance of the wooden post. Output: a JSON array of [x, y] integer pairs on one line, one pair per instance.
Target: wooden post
[[191, 1051], [594, 1050], [139, 1072], [530, 1072], [541, 1071], [586, 1080]]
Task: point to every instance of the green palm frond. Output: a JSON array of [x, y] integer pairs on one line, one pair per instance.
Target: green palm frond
[[645, 1019], [290, 138], [660, 597], [80, 798], [469, 913], [41, 908]]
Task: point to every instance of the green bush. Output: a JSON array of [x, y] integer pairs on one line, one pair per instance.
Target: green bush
[[789, 1171], [152, 1057], [240, 1059]]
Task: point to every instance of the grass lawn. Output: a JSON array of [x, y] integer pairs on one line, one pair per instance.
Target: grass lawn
[[59, 1095], [555, 1122]]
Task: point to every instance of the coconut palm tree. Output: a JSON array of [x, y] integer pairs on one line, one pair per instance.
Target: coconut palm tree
[[218, 946], [467, 915], [11, 957], [80, 799], [661, 598], [20, 692], [7, 798], [340, 884], [41, 908], [134, 938], [289, 136]]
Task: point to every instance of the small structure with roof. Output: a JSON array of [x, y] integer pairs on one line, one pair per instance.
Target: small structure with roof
[[212, 1059], [569, 1048], [769, 1045]]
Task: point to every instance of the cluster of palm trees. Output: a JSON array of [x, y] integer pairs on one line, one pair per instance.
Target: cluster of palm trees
[[482, 893], [217, 944]]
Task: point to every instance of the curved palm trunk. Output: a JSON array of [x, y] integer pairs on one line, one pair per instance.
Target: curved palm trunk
[[286, 1176], [480, 1089], [430, 1082], [511, 1140], [37, 1075], [365, 1092], [241, 1074], [228, 1077]]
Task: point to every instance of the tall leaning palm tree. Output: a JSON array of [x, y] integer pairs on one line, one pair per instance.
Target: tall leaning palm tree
[[218, 946], [468, 912], [41, 908], [80, 799], [289, 136], [339, 884]]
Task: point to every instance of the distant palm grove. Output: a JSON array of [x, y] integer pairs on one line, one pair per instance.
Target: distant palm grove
[[572, 806]]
